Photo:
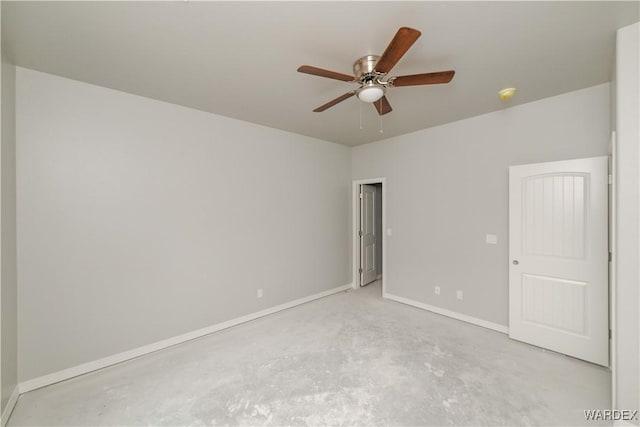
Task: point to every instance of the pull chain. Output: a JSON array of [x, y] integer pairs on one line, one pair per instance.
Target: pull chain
[[380, 115], [360, 115]]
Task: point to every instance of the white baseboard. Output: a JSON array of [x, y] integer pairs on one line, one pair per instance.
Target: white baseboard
[[11, 403], [66, 374], [449, 313]]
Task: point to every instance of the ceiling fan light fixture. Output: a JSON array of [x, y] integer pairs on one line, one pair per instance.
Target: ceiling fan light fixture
[[370, 92]]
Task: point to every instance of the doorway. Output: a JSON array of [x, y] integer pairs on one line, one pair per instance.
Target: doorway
[[369, 232]]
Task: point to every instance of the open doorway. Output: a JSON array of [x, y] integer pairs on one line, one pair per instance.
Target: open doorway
[[369, 233]]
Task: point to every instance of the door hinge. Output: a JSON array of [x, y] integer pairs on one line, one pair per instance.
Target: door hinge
[[610, 179], [360, 233], [609, 333], [610, 256], [360, 270], [361, 195]]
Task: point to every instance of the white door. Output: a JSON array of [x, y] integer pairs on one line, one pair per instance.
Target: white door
[[368, 236], [558, 266]]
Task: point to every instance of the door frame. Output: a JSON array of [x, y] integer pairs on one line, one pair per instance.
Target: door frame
[[613, 301], [355, 209]]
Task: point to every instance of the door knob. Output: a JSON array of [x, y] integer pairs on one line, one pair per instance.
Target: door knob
[[516, 262]]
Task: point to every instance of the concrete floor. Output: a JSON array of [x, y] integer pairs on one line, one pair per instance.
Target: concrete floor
[[351, 358]]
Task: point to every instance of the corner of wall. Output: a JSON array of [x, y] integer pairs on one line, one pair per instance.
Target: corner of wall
[[627, 247], [8, 264], [8, 408]]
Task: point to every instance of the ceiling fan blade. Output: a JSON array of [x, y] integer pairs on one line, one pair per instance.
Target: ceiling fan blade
[[424, 79], [308, 69], [383, 106], [335, 101], [402, 41]]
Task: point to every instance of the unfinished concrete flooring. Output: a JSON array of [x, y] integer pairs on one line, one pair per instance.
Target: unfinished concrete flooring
[[348, 359]]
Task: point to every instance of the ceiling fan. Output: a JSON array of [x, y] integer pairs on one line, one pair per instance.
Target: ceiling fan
[[371, 74]]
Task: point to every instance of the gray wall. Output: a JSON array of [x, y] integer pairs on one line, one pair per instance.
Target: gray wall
[[447, 188], [141, 220], [8, 275], [628, 218]]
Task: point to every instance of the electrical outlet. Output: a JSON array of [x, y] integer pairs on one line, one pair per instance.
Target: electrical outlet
[[459, 294], [437, 290], [259, 293]]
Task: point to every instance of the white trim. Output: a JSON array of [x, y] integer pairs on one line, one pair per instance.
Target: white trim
[[356, 222], [469, 319], [65, 374], [11, 403]]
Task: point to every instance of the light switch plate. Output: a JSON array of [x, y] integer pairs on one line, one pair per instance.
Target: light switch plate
[[492, 239]]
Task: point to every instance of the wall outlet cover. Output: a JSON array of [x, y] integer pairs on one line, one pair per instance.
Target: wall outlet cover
[[492, 239]]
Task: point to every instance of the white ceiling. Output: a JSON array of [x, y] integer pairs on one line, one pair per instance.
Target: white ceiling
[[239, 59]]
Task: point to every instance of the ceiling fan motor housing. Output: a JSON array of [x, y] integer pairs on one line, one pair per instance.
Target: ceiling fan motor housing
[[364, 67]]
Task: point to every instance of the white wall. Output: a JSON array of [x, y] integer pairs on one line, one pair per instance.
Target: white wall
[[140, 220], [628, 218], [447, 188], [8, 276]]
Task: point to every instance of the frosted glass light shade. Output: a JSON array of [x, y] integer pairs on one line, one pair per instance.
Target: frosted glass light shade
[[370, 93]]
